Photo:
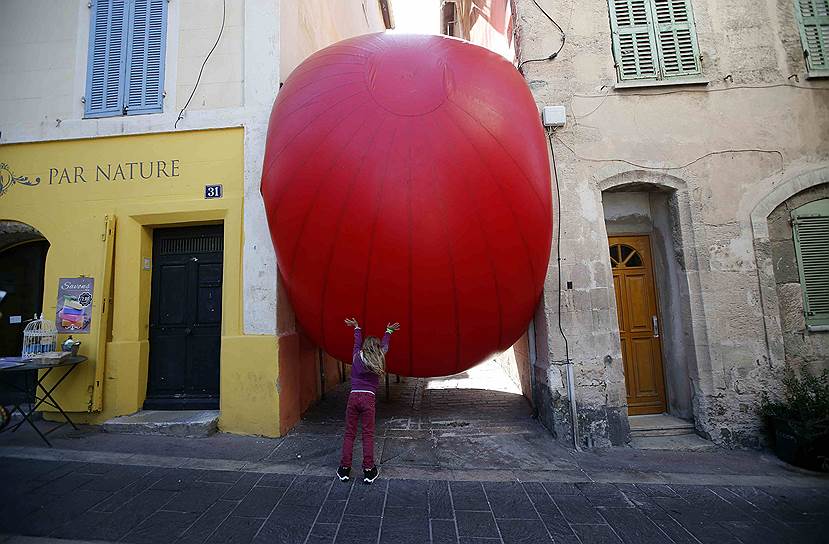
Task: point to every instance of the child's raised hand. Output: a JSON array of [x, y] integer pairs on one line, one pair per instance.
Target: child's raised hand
[[352, 322], [393, 327]]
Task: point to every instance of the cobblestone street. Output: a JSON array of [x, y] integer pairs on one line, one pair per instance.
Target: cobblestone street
[[139, 504], [462, 462]]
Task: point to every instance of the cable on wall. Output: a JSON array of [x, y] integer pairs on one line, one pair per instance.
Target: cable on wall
[[198, 79], [680, 167], [604, 96], [560, 47], [558, 247], [571, 386]]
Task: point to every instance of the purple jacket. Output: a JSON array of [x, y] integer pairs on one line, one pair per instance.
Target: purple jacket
[[363, 379]]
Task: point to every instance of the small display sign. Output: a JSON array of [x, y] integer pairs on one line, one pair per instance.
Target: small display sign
[[74, 307], [212, 191]]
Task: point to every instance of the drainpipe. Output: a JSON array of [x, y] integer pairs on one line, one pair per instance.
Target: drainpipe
[[574, 412]]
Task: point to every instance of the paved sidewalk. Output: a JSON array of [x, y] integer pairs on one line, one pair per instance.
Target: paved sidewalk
[[141, 504], [460, 463]]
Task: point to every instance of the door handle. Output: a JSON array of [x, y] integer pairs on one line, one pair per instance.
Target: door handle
[[655, 326]]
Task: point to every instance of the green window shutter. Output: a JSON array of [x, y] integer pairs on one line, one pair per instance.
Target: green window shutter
[[676, 38], [811, 242], [813, 19], [634, 46]]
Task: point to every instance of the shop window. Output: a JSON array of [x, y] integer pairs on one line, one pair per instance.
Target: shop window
[[654, 39], [125, 70], [813, 20], [810, 224]]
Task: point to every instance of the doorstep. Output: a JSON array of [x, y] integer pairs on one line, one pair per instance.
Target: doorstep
[[659, 425], [665, 432], [180, 423]]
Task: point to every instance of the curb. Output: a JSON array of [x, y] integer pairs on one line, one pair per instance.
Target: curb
[[417, 473]]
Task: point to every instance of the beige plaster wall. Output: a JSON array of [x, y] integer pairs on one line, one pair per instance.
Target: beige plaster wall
[[37, 60], [221, 84], [43, 59], [721, 148], [306, 26]]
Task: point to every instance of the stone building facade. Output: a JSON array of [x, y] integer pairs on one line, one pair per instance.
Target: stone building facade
[[694, 130]]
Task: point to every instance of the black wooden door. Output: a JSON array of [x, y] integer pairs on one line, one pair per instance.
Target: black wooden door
[[185, 319]]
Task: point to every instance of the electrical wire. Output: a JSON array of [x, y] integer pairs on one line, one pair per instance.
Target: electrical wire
[[547, 15], [198, 79], [560, 47], [571, 383], [687, 164], [558, 247], [623, 93]]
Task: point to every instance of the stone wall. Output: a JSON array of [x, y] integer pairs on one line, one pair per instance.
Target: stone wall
[[802, 348], [721, 150]]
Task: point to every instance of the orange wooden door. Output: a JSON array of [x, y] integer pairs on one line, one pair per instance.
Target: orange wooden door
[[630, 259]]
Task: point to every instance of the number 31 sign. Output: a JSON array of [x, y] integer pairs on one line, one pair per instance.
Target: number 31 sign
[[212, 191]]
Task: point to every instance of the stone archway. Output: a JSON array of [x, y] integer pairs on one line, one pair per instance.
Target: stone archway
[[13, 233], [763, 253], [22, 265], [654, 206]]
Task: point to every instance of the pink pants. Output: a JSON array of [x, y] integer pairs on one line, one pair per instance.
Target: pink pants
[[360, 406]]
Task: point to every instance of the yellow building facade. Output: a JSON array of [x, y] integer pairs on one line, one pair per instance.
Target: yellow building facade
[[100, 191], [97, 202]]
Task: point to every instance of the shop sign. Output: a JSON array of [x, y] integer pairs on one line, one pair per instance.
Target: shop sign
[[74, 307], [96, 173]]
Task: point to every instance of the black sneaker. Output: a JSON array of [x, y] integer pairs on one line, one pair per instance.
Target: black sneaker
[[344, 473], [370, 474]]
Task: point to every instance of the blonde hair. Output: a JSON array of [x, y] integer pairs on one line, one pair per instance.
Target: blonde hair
[[373, 355]]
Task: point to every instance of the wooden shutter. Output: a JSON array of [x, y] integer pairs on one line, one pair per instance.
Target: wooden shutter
[[107, 58], [145, 70], [811, 239], [676, 38], [813, 19], [633, 39]]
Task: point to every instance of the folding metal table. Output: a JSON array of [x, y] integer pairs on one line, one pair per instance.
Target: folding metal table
[[35, 388]]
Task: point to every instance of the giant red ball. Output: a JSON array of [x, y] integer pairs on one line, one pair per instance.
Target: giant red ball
[[406, 178]]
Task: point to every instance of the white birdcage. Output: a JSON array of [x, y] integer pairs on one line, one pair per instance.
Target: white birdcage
[[39, 337]]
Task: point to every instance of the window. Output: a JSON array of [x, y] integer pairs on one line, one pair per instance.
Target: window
[[449, 18], [813, 20], [125, 72], [811, 243], [623, 256], [654, 39]]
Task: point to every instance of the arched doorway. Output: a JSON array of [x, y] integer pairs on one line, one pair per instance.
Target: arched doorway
[[22, 265], [647, 260]]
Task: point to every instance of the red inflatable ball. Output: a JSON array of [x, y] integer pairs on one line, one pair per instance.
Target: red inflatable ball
[[406, 178]]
